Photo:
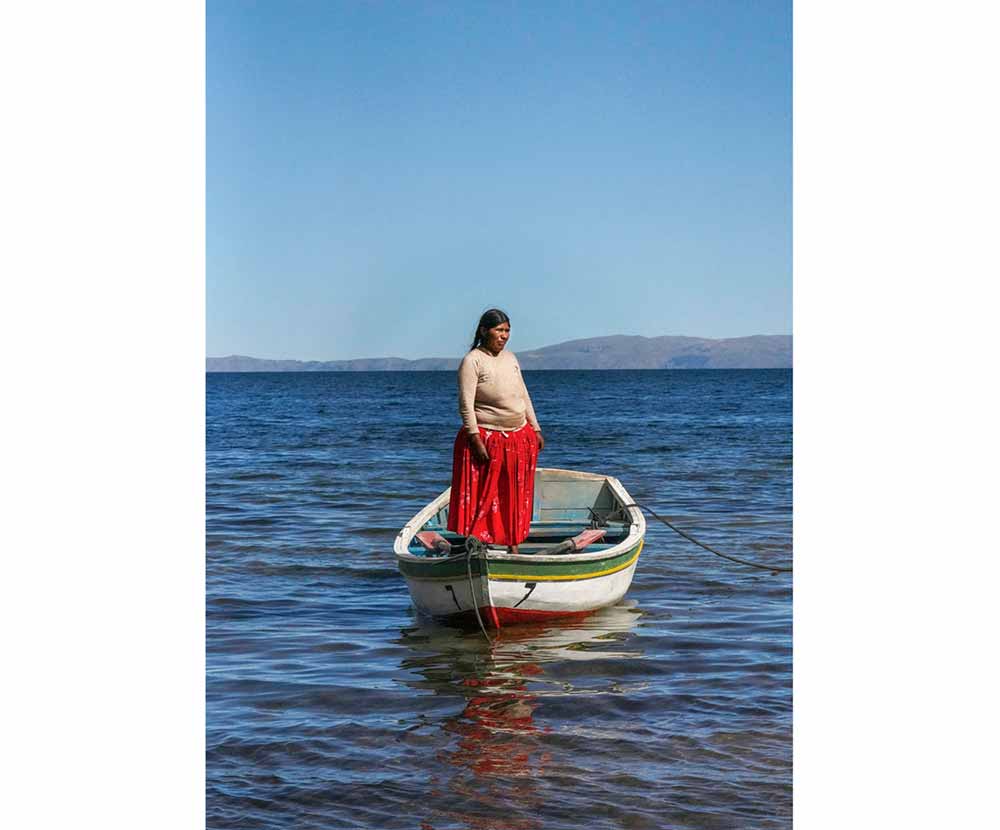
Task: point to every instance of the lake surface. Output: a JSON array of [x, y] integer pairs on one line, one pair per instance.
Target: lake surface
[[331, 704]]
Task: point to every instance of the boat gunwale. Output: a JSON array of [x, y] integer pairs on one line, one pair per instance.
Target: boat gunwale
[[637, 530]]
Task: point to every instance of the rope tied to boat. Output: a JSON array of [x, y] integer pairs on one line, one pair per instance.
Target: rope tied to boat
[[690, 538], [474, 547]]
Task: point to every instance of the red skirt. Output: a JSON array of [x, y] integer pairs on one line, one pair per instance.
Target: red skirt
[[492, 501]]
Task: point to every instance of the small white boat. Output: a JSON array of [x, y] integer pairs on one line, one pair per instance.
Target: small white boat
[[580, 555]]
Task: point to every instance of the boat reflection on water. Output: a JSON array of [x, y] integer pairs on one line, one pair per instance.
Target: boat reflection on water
[[496, 741]]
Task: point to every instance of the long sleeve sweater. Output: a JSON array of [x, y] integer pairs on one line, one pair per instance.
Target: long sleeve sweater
[[492, 394]]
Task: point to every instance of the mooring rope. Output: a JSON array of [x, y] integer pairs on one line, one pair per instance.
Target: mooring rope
[[472, 592], [473, 547], [691, 538]]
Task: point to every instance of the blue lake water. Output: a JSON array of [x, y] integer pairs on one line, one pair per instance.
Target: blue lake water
[[331, 704]]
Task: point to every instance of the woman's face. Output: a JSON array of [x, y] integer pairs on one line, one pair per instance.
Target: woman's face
[[496, 338]]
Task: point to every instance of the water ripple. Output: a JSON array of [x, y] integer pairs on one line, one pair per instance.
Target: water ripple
[[331, 704]]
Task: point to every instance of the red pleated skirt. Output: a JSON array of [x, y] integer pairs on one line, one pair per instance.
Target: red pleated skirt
[[492, 501]]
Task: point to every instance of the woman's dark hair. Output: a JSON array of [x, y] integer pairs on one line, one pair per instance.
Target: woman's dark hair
[[491, 318]]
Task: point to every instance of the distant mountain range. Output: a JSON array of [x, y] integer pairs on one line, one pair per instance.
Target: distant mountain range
[[619, 351]]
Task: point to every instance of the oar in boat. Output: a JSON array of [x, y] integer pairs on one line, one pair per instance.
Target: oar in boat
[[434, 541]]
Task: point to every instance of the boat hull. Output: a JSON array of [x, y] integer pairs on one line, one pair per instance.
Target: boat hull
[[510, 591], [538, 583]]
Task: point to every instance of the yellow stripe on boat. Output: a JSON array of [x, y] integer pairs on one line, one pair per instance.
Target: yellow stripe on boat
[[566, 577]]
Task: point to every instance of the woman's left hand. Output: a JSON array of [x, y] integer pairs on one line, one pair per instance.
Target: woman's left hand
[[541, 441]]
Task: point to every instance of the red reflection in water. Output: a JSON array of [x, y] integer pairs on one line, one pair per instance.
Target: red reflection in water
[[500, 756], [493, 726], [498, 745]]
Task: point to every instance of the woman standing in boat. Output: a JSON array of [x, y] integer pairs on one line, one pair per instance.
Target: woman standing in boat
[[493, 472]]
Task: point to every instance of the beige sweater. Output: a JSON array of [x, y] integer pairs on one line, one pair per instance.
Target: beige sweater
[[492, 394]]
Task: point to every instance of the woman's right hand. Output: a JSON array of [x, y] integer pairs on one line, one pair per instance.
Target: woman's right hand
[[478, 449]]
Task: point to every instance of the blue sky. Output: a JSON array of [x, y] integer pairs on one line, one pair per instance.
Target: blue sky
[[380, 173]]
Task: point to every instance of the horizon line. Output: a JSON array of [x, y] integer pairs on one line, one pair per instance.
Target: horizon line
[[536, 349]]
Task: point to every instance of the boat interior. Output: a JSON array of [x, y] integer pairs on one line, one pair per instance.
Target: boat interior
[[564, 507]]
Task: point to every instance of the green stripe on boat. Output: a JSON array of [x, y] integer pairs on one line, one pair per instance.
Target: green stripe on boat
[[520, 571]]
